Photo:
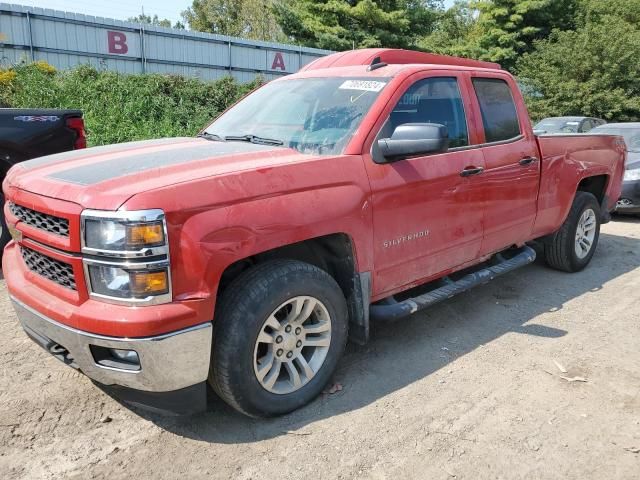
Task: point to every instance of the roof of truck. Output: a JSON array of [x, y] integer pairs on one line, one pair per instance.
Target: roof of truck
[[630, 125], [392, 56]]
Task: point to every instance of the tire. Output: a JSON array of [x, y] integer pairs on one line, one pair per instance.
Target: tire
[[561, 250], [4, 231], [245, 318]]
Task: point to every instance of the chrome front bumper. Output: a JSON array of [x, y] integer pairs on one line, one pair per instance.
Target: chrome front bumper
[[167, 362]]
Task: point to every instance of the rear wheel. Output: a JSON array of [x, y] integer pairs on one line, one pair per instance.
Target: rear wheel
[[571, 248], [280, 331]]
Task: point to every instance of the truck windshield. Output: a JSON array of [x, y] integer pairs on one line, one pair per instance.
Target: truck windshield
[[312, 115]]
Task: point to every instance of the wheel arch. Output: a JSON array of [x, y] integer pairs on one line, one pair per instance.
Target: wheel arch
[[334, 253], [595, 184]]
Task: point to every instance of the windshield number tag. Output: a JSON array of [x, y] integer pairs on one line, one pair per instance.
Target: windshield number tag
[[363, 85]]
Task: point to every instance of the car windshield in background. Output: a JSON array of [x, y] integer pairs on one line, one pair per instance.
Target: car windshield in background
[[631, 136], [312, 115], [558, 125]]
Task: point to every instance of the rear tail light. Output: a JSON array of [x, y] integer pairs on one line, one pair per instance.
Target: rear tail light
[[77, 125]]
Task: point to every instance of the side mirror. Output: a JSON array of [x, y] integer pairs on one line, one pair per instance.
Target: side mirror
[[412, 139]]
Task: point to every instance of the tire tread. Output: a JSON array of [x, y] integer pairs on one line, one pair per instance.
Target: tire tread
[[557, 251], [247, 289]]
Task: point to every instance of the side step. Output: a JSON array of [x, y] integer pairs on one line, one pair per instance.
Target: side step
[[392, 310]]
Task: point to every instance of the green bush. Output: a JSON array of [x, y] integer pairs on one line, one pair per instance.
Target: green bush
[[118, 107]]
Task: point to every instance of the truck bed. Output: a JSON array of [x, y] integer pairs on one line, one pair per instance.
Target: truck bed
[[30, 133], [566, 161]]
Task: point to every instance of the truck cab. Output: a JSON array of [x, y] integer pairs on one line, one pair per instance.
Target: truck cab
[[366, 187]]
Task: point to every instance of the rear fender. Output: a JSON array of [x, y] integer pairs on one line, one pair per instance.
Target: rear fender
[[566, 162]]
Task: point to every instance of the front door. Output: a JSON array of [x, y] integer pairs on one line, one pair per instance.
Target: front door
[[427, 213]]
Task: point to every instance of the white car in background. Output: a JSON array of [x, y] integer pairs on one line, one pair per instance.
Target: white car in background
[[558, 125]]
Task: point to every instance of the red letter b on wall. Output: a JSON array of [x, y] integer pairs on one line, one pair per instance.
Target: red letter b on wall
[[117, 42]]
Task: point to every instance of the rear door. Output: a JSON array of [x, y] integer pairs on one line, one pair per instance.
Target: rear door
[[427, 215], [510, 152]]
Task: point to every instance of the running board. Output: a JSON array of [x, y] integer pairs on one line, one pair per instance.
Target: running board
[[392, 310]]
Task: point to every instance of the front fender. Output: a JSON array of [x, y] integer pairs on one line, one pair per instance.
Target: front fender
[[214, 222]]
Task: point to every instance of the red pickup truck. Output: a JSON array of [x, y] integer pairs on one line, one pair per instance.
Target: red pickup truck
[[366, 187]]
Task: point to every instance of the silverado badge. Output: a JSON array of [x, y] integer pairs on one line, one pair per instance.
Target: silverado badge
[[405, 238]]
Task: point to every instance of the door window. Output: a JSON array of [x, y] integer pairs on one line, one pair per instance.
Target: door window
[[433, 100], [498, 109], [587, 125]]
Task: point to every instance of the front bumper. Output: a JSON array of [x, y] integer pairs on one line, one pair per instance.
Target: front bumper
[[629, 198], [167, 363]]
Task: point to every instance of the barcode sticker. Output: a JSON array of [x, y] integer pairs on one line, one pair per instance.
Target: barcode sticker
[[364, 85]]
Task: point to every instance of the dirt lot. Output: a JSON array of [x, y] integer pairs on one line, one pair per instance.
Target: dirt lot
[[472, 389]]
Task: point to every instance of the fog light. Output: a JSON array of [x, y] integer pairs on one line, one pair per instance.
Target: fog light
[[116, 358], [129, 356]]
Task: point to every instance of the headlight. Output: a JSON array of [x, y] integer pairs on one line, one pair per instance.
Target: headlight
[[632, 174], [127, 257], [122, 282], [123, 233]]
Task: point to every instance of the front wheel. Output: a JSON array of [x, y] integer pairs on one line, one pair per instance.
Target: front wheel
[[278, 336], [571, 248]]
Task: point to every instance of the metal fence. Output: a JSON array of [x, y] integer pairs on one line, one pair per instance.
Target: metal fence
[[66, 39]]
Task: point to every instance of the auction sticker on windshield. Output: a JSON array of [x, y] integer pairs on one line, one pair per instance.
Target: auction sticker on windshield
[[365, 85]]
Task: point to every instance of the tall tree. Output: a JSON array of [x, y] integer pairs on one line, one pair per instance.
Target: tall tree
[[505, 29], [149, 20], [346, 24], [455, 32], [593, 70], [252, 19]]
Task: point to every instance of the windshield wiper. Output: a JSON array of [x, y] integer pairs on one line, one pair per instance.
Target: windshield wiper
[[254, 139], [211, 136]]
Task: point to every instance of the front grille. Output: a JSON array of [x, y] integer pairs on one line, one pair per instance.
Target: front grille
[[41, 221], [54, 270]]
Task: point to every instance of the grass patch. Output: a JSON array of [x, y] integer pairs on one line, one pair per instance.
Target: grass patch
[[118, 107]]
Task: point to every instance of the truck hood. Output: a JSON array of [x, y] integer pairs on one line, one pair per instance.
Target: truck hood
[[104, 178]]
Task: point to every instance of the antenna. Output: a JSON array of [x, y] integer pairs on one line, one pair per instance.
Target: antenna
[[375, 64]]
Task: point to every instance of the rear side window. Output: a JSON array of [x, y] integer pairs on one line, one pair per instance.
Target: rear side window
[[498, 109]]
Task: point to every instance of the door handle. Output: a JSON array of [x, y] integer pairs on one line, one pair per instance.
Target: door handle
[[527, 161], [469, 171]]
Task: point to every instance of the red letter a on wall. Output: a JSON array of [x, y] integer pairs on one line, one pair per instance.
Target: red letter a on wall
[[278, 62]]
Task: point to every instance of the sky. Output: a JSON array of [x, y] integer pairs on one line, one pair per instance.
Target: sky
[[121, 9]]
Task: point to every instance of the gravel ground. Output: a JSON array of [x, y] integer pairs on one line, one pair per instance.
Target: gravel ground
[[536, 375]]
